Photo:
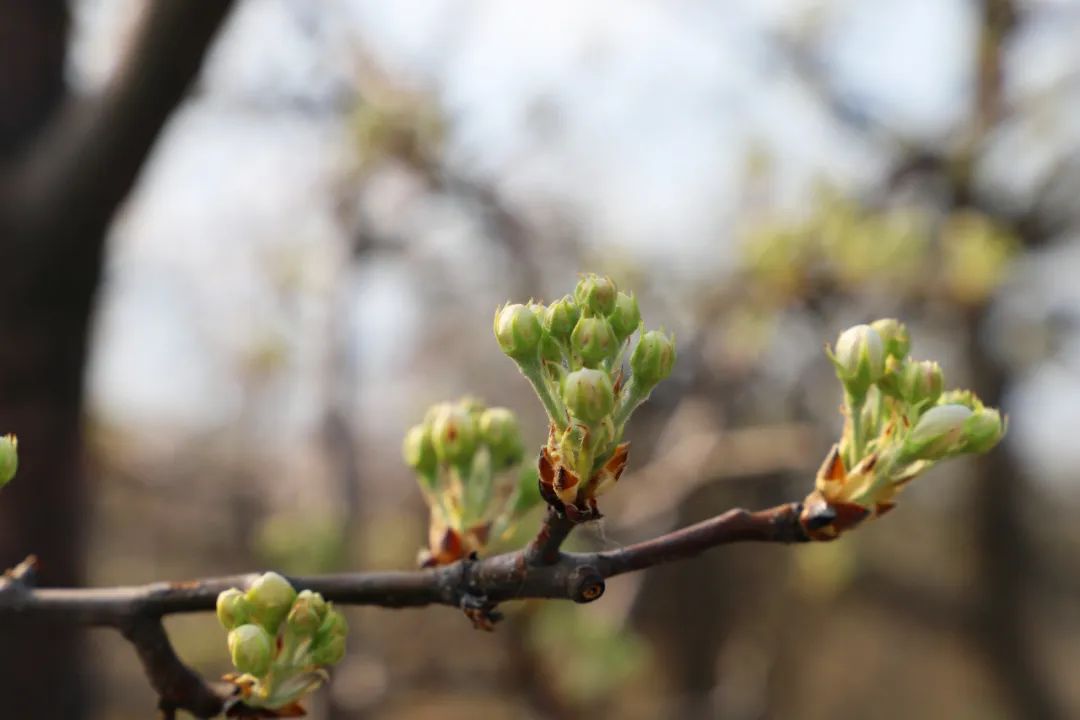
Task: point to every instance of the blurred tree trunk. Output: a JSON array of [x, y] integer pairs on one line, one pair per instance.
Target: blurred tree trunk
[[1004, 562], [65, 168], [42, 345]]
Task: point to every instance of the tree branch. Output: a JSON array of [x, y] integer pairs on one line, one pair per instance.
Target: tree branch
[[178, 686], [88, 160], [476, 586], [544, 548]]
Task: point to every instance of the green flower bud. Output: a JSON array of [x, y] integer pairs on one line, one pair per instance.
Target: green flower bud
[[9, 458], [251, 649], [518, 331], [593, 341], [453, 433], [561, 317], [588, 395], [329, 652], [472, 405], [499, 431], [859, 358], [307, 613], [653, 358], [983, 430], [270, 598], [940, 432], [596, 294], [626, 316], [418, 450], [894, 336], [921, 383], [891, 380], [232, 609]]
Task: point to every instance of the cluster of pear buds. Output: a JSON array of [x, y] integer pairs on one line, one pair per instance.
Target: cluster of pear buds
[[9, 458], [466, 458], [280, 641], [899, 422], [573, 352]]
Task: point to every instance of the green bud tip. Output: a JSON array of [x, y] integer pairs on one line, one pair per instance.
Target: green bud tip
[[251, 649], [499, 431], [307, 613], [859, 358], [561, 317], [596, 294], [983, 430], [894, 336], [653, 358], [270, 598], [588, 395], [453, 433], [418, 450], [518, 332], [626, 316], [960, 397], [938, 433], [232, 609], [9, 458], [593, 341]]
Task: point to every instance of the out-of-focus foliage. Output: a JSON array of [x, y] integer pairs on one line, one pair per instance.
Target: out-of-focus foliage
[[393, 124], [906, 251], [467, 461], [591, 653], [302, 543]]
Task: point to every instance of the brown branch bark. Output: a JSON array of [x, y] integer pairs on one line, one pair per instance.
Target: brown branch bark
[[544, 548], [178, 686], [473, 585]]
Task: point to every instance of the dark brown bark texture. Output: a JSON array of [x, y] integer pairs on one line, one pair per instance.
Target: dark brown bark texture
[[65, 169]]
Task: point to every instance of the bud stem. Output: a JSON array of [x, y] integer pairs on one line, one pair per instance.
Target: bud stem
[[631, 397], [552, 403], [858, 431], [478, 488]]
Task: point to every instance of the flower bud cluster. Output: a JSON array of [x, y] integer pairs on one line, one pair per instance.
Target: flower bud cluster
[[573, 352], [280, 640], [899, 422], [466, 458]]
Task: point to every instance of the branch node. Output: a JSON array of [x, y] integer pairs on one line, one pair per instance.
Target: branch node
[[584, 584], [544, 549], [480, 611]]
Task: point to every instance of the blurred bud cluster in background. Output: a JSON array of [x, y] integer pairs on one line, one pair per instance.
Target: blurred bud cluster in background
[[313, 253]]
